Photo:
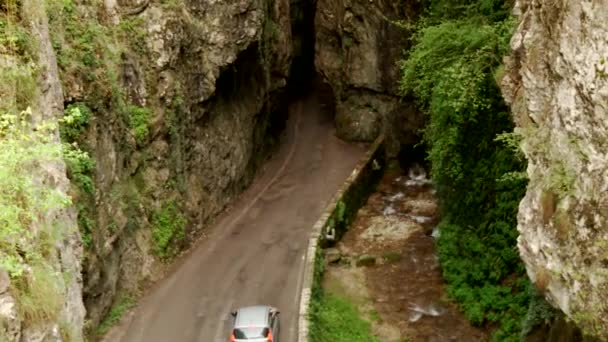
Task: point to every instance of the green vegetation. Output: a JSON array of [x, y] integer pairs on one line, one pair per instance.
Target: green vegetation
[[84, 47], [168, 230], [27, 238], [139, 118], [27, 235], [131, 30], [539, 312], [335, 319], [80, 166], [75, 122], [18, 70], [118, 310], [451, 72], [90, 52]]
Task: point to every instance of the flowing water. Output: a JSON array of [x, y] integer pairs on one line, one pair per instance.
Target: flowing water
[[400, 289]]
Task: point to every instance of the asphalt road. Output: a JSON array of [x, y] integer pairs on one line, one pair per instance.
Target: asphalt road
[[254, 253]]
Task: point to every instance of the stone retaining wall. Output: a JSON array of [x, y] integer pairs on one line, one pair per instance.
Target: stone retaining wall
[[334, 222]]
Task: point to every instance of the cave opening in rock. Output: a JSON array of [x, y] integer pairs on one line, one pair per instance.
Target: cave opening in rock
[[302, 72], [304, 81]]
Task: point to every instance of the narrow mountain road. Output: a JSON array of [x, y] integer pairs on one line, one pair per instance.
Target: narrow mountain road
[[254, 254]]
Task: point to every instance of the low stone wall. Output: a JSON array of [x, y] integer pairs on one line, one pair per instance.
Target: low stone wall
[[334, 222]]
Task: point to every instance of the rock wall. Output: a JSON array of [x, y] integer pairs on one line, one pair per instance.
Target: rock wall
[[358, 47], [556, 81], [211, 73], [180, 101], [60, 316]]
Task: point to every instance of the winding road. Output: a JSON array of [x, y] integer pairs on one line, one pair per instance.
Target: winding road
[[254, 253]]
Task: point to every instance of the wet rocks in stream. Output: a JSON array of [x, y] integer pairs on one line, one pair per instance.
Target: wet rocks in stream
[[392, 241]]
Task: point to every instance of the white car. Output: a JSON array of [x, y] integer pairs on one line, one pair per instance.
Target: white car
[[258, 323]]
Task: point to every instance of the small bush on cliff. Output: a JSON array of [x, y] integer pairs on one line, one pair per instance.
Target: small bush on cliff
[[139, 118], [450, 71], [168, 230]]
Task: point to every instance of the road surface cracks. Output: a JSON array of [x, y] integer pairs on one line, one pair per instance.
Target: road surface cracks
[[254, 253]]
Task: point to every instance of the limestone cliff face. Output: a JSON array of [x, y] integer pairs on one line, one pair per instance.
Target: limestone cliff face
[[180, 102], [210, 74], [557, 84], [357, 53], [54, 283]]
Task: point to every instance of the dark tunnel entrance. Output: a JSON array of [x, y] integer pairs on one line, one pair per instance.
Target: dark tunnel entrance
[[302, 72]]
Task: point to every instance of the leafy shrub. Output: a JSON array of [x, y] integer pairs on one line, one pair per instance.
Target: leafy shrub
[[450, 71], [168, 230], [75, 121], [80, 166], [139, 118]]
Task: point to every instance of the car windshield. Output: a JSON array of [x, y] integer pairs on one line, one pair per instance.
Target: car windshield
[[250, 333]]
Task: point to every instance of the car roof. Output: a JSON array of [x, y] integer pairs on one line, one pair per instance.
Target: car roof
[[256, 316]]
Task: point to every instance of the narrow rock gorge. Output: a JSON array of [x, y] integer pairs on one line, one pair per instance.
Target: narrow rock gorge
[[166, 109], [557, 87], [176, 104], [128, 126]]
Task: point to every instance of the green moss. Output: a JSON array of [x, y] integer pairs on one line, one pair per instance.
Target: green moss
[[589, 313], [560, 179], [168, 230]]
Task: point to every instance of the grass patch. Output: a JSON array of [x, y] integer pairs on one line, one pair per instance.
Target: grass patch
[[118, 310], [38, 294], [335, 319]]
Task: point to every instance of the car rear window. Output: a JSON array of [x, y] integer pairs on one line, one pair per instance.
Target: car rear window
[[250, 333]]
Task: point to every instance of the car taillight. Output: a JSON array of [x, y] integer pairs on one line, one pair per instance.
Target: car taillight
[[232, 338], [270, 336]]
